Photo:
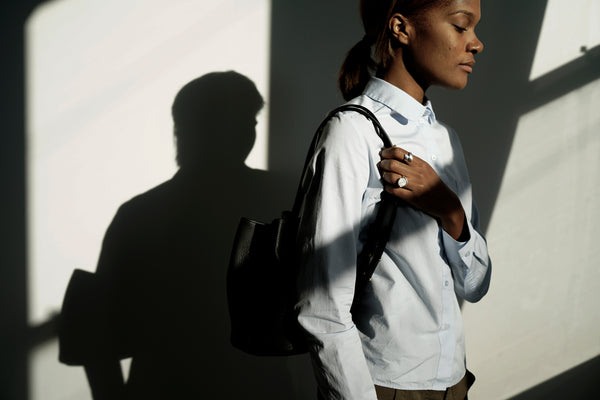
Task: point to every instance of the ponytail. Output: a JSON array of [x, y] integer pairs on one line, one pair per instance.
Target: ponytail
[[355, 71], [358, 66]]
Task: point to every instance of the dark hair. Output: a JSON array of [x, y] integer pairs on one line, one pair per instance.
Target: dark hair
[[375, 15]]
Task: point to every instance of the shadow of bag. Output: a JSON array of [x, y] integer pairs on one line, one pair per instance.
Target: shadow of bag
[[85, 334], [261, 289]]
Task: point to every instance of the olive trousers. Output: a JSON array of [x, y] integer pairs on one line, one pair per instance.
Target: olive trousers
[[456, 392]]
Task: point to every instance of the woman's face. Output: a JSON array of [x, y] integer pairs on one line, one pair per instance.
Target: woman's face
[[443, 44]]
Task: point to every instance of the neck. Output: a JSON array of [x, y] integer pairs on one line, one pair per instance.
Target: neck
[[399, 76]]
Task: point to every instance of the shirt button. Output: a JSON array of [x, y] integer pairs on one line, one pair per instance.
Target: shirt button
[[446, 283], [434, 157]]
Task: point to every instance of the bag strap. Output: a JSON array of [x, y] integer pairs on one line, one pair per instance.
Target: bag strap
[[380, 229], [300, 193]]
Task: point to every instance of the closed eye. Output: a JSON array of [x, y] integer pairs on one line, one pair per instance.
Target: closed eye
[[460, 28]]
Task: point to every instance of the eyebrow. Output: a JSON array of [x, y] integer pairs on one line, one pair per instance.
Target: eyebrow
[[468, 13]]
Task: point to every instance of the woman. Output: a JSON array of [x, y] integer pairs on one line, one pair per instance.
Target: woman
[[405, 339]]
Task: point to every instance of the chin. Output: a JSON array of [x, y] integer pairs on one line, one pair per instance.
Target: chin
[[455, 84], [460, 86]]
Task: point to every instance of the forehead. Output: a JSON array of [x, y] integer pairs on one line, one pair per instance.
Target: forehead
[[471, 8]]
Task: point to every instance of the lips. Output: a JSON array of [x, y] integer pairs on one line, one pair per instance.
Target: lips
[[467, 66]]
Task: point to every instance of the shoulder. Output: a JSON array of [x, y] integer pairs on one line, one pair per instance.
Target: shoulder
[[351, 126], [348, 143], [137, 209], [150, 196]]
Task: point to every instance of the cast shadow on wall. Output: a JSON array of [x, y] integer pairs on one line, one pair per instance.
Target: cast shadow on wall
[[164, 257], [500, 95]]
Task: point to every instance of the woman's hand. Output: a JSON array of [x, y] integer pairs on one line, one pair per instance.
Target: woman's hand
[[423, 189]]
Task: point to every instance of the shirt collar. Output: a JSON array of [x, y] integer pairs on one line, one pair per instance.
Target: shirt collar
[[398, 100]]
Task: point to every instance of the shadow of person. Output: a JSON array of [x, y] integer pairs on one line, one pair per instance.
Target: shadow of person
[[164, 257]]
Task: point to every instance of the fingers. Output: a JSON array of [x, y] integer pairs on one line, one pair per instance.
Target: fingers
[[394, 152], [395, 180], [393, 165], [404, 193], [401, 172], [397, 153], [396, 191], [415, 181]]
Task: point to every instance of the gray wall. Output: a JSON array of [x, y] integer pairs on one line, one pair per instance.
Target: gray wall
[[309, 41]]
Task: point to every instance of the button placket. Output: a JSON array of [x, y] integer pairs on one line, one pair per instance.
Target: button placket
[[431, 148]]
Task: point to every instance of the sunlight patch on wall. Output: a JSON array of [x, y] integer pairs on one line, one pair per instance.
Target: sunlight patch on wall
[[541, 317], [568, 30]]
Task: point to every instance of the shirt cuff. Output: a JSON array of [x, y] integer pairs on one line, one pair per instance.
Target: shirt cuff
[[459, 253]]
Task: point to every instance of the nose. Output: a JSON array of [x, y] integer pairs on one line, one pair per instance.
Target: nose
[[475, 46]]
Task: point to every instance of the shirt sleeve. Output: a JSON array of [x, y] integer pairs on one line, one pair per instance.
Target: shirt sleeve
[[470, 262], [328, 239]]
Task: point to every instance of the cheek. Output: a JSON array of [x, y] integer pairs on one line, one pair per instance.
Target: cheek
[[450, 49], [441, 49], [449, 53], [441, 56]]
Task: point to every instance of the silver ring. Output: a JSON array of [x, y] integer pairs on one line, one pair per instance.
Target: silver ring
[[408, 157], [401, 182]]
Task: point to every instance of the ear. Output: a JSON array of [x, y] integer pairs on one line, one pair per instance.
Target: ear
[[398, 27]]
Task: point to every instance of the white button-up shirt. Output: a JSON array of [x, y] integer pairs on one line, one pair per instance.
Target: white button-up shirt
[[407, 332]]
